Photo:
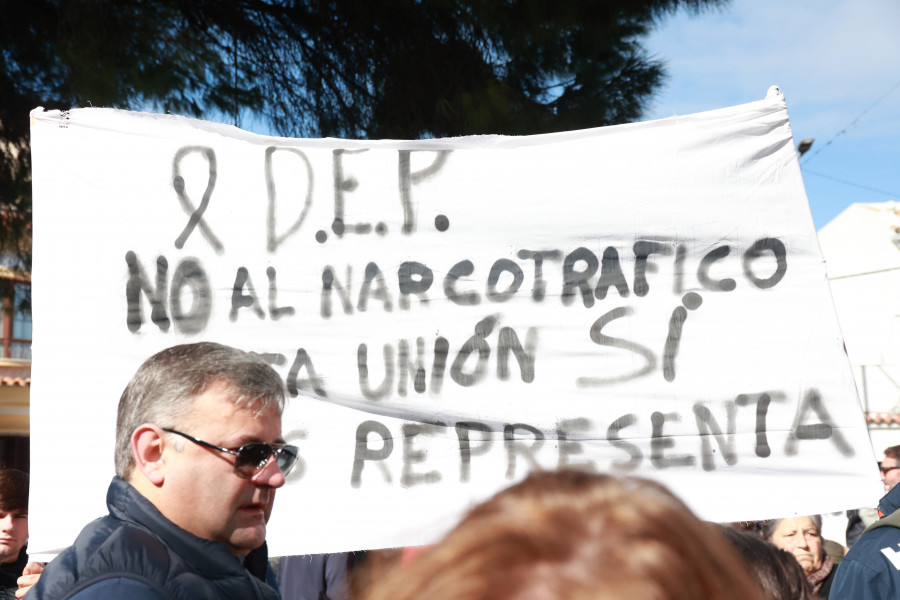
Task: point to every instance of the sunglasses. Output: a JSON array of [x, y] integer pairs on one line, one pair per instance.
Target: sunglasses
[[250, 459], [886, 469]]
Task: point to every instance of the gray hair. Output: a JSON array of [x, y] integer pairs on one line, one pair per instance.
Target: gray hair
[[163, 389], [769, 527]]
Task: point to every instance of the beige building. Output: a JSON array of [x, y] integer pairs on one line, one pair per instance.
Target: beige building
[[15, 368]]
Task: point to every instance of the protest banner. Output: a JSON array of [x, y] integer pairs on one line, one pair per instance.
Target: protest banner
[[448, 314]]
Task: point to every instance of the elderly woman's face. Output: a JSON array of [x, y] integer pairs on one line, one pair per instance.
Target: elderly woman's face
[[800, 537]]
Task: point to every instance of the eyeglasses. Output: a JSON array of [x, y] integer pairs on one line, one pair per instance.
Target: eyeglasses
[[886, 469], [252, 458]]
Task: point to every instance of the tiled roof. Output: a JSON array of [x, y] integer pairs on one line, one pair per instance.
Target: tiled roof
[[15, 381], [15, 376], [883, 418]]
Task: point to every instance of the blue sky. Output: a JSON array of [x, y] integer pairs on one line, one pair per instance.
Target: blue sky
[[837, 63]]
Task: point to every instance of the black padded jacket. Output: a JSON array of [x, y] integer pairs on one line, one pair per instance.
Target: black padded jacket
[[136, 548]]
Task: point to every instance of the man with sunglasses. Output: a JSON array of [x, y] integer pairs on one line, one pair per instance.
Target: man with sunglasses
[[890, 468], [199, 455], [859, 519], [871, 569]]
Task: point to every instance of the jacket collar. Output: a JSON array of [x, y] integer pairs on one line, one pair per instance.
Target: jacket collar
[[890, 502], [210, 558]]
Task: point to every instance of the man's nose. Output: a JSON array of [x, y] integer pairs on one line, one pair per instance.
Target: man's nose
[[270, 475]]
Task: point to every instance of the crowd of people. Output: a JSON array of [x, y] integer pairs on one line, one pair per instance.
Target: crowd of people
[[199, 455]]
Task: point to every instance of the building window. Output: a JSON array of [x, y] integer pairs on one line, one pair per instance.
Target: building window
[[17, 323]]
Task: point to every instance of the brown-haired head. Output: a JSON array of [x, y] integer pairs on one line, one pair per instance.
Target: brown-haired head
[[892, 452], [776, 571], [13, 490], [575, 535]]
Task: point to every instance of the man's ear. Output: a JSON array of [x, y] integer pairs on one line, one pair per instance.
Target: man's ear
[[147, 445]]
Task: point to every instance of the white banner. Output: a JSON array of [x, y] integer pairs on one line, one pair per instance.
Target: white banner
[[449, 314]]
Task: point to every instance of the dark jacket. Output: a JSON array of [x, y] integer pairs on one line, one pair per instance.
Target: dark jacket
[[10, 572], [136, 552], [316, 576], [889, 503], [872, 567], [827, 583]]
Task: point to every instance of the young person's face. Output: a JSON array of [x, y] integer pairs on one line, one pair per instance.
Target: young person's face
[[13, 534]]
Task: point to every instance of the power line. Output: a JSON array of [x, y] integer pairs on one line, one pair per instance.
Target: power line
[[864, 274], [850, 183], [850, 126]]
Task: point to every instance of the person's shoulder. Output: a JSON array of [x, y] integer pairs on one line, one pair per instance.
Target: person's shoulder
[[115, 588], [104, 553], [886, 533], [870, 568]]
